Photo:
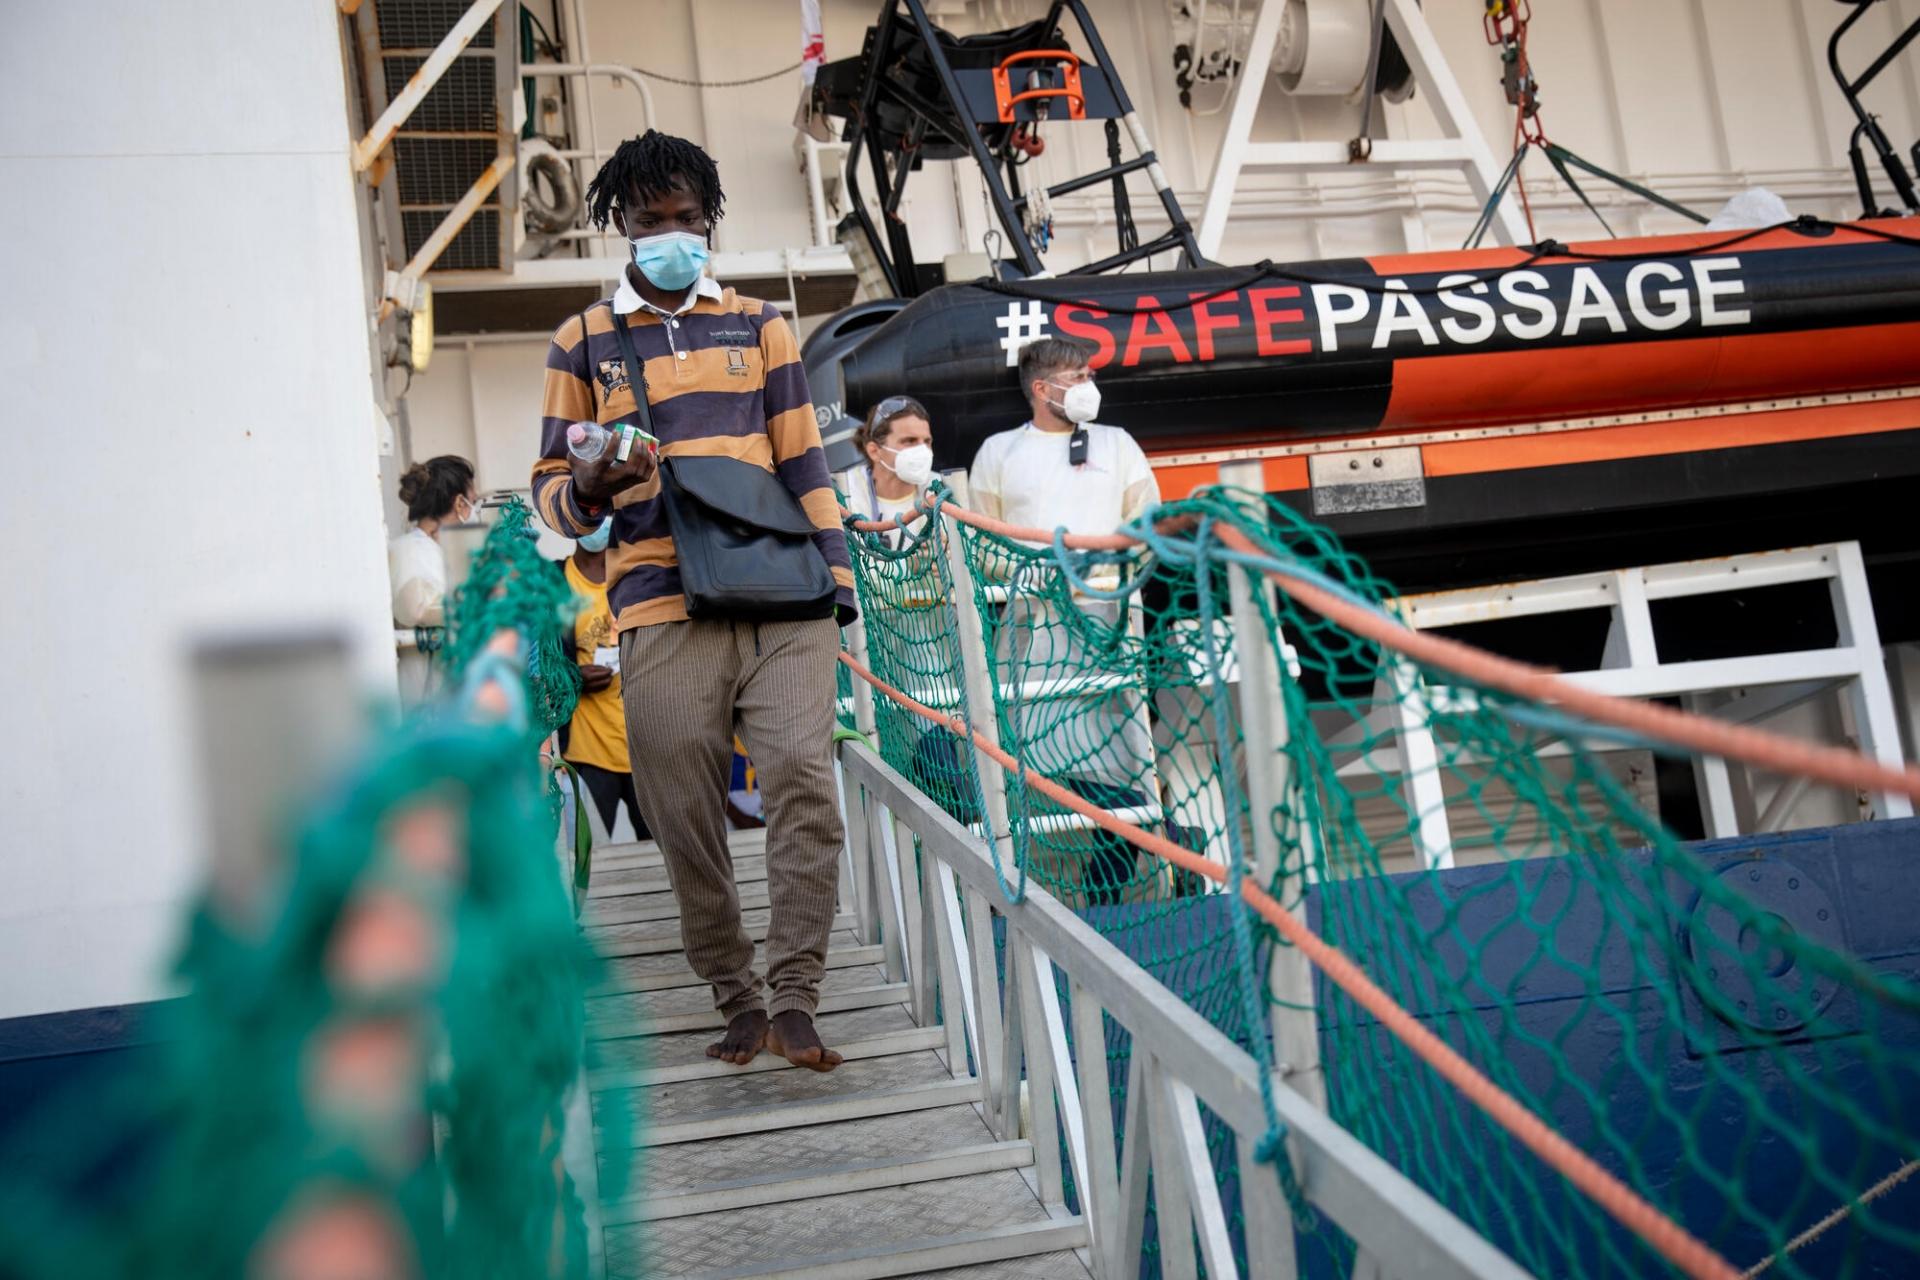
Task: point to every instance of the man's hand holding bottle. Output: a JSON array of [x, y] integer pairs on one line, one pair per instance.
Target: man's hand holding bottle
[[608, 461]]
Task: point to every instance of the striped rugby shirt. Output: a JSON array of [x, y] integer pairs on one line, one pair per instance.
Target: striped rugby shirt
[[724, 379]]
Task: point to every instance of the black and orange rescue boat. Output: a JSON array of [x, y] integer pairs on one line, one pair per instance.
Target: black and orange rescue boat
[[1480, 414]]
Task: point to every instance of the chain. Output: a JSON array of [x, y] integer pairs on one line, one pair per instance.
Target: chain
[[717, 84], [1505, 26]]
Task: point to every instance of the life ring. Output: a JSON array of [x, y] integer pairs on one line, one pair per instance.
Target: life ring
[[555, 208]]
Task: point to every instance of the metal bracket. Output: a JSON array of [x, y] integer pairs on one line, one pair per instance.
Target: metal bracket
[[1376, 480], [1005, 99]]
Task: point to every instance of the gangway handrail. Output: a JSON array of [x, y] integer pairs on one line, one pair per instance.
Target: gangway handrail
[[1627, 1206], [1364, 618], [1178, 1056]]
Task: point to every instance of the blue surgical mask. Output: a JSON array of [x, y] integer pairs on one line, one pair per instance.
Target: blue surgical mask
[[672, 259], [598, 539]]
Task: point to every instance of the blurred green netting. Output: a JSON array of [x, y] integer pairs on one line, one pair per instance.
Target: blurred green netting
[[225, 1139], [1648, 1000], [510, 587]]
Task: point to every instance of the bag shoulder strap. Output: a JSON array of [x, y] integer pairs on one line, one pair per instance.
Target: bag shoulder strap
[[636, 372], [586, 354]]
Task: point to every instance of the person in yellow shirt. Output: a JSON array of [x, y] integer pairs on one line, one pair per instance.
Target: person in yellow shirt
[[595, 740]]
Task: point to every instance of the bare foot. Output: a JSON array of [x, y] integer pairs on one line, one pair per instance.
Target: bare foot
[[792, 1037], [746, 1036]]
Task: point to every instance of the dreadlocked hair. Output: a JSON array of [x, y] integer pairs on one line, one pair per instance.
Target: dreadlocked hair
[[651, 165]]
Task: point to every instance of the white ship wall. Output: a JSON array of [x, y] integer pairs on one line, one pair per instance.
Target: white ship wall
[[188, 434]]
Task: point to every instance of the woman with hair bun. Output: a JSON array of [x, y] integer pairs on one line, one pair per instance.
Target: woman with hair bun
[[438, 492]]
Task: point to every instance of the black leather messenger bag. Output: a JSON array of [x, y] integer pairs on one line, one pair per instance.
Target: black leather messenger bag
[[744, 545]]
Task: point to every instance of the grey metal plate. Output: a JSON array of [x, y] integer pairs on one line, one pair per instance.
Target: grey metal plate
[[694, 1098], [1368, 480], [695, 1164], [711, 1242]]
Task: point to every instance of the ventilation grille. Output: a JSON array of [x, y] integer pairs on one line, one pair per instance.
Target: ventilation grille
[[463, 100], [422, 24], [433, 172], [441, 170], [476, 248]]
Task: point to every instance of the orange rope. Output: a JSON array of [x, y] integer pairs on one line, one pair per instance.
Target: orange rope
[[1701, 734], [1671, 1240]]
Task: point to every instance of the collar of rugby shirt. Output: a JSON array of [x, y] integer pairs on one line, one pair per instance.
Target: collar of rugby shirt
[[627, 299]]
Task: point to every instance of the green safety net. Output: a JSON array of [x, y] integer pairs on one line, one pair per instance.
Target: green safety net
[[510, 587], [439, 1140], [1648, 999]]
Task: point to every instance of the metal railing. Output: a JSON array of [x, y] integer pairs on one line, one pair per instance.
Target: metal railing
[[1007, 1026]]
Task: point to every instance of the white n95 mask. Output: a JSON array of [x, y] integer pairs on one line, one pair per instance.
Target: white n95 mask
[[913, 464], [1080, 403]]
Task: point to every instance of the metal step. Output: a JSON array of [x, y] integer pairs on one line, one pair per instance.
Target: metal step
[[860, 1175], [885, 1045], [640, 908], [693, 1099], [616, 882], [710, 1019], [933, 1253], [645, 853], [611, 1028], [642, 1008], [851, 957], [639, 941], [791, 1115], [638, 1052]]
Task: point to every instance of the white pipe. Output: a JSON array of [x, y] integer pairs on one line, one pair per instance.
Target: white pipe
[[1388, 193], [585, 69], [817, 189], [577, 19]]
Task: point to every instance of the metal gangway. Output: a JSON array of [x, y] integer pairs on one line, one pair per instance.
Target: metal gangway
[[973, 1128], [967, 1133], [932, 1148]]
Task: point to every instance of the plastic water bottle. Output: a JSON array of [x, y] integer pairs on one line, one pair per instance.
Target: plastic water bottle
[[587, 441]]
